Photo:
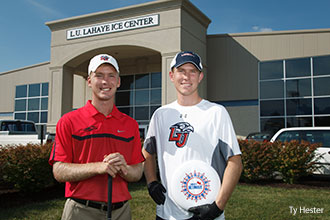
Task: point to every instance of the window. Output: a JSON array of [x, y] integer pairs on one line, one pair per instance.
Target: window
[[272, 108], [142, 81], [312, 136], [321, 86], [322, 121], [271, 70], [271, 89], [294, 93], [298, 88], [299, 122], [298, 67], [271, 125], [18, 126], [139, 95], [31, 102], [21, 91], [298, 106], [321, 65], [289, 136], [34, 90], [322, 106]]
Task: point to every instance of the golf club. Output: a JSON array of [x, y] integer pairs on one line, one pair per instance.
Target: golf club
[[109, 197]]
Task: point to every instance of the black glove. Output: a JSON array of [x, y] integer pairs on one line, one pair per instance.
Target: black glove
[[206, 212], [156, 191]]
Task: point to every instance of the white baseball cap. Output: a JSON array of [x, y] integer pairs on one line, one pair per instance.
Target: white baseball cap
[[100, 59]]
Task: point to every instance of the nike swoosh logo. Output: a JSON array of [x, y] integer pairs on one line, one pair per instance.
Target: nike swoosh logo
[[120, 131]]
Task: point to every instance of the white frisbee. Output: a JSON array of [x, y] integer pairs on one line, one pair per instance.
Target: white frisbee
[[194, 183]]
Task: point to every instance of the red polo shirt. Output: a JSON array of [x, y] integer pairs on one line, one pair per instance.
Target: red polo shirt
[[86, 135]]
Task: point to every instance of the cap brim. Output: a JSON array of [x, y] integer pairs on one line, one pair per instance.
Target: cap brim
[[187, 61]]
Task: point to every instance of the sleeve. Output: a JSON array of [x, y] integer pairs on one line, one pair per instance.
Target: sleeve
[[228, 139], [137, 156], [150, 141], [62, 147]]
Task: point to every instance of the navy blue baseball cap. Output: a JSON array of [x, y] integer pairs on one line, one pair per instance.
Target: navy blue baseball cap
[[187, 57]]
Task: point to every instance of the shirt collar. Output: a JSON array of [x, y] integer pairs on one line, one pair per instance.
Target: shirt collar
[[93, 111]]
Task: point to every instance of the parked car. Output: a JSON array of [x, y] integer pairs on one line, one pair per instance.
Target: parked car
[[13, 132], [312, 135], [17, 127], [259, 136]]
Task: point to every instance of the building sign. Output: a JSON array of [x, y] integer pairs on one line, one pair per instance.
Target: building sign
[[106, 28]]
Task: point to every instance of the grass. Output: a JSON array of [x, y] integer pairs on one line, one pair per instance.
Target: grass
[[247, 202], [264, 202]]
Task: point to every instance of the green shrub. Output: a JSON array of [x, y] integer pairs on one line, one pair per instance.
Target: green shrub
[[26, 166], [265, 160], [295, 159], [258, 160]]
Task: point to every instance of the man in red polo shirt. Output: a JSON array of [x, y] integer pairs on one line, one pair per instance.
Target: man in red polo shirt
[[94, 141]]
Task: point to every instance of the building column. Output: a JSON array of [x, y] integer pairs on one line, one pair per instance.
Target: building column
[[60, 95], [168, 89]]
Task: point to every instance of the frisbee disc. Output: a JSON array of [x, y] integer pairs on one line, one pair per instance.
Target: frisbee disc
[[194, 183]]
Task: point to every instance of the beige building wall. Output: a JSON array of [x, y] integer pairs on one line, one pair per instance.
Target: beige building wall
[[244, 119], [38, 73], [233, 66], [80, 91], [233, 58], [193, 38]]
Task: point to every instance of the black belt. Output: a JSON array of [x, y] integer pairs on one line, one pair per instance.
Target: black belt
[[102, 206]]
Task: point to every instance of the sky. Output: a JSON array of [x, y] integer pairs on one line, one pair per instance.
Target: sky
[[25, 39]]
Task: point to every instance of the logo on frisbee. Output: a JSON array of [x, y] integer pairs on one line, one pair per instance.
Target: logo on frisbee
[[195, 186], [180, 132]]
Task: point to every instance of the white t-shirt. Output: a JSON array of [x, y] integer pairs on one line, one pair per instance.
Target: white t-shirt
[[183, 133]]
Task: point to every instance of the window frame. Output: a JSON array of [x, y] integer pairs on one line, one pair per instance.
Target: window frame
[[40, 109], [286, 98], [134, 107]]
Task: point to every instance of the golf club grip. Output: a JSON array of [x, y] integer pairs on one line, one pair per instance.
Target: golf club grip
[[109, 197]]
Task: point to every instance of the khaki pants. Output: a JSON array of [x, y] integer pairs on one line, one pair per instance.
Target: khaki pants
[[76, 211]]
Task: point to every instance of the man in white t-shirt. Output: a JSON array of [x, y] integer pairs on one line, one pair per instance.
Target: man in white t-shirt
[[190, 128]]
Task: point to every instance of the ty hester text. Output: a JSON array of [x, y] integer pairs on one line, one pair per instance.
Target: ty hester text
[[305, 210]]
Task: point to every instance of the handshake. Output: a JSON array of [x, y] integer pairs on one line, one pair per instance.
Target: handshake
[[203, 212]]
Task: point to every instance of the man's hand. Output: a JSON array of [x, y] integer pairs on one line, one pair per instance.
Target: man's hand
[[156, 191], [206, 212], [115, 164]]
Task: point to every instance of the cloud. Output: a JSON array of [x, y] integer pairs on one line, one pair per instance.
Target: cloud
[[261, 29], [255, 28], [49, 12]]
